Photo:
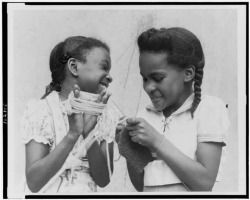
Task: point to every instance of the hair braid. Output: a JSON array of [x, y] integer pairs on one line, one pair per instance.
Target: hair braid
[[197, 89], [65, 58]]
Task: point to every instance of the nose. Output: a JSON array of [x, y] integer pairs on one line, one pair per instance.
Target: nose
[[109, 78], [149, 87]]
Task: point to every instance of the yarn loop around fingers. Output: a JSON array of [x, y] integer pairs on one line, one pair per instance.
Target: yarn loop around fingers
[[85, 103]]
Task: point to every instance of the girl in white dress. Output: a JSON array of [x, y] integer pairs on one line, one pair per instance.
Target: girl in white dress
[[184, 129], [71, 153]]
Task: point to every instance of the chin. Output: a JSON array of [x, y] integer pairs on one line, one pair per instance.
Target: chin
[[158, 107], [89, 91], [100, 89]]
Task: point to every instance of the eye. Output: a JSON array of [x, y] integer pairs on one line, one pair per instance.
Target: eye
[[105, 67], [144, 79], [158, 79]]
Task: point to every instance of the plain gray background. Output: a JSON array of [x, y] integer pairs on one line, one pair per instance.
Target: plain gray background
[[36, 31]]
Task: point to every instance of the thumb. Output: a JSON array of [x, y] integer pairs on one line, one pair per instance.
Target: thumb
[[76, 91], [118, 129], [133, 120]]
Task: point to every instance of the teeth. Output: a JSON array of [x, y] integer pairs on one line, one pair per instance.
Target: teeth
[[156, 98], [103, 86]]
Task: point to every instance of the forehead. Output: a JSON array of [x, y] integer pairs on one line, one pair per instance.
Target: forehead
[[151, 62], [98, 54]]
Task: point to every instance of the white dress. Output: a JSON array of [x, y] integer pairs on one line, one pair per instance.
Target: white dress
[[46, 121]]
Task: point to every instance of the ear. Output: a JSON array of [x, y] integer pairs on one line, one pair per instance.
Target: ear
[[189, 73], [72, 66]]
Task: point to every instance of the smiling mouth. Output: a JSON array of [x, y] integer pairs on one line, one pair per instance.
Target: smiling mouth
[[155, 98], [103, 85]]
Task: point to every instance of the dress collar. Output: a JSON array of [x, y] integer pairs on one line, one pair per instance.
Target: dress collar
[[184, 107]]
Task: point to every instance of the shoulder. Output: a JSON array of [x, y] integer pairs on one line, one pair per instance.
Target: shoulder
[[210, 106], [36, 107], [37, 122], [212, 118], [211, 102], [36, 113], [41, 106]]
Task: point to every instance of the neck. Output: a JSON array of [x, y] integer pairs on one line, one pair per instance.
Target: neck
[[66, 88], [169, 110]]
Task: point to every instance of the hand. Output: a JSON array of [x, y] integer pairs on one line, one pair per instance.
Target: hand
[[90, 120], [143, 133]]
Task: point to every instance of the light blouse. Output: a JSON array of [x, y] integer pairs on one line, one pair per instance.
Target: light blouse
[[210, 124], [46, 121]]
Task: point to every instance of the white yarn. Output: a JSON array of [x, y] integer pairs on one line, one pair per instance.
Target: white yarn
[[85, 103]]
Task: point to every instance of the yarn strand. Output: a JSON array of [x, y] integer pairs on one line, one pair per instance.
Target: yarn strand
[[86, 103]]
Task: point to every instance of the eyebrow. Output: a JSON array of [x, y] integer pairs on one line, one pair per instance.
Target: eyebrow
[[106, 61], [157, 73]]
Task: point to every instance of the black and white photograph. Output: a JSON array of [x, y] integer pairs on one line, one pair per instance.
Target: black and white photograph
[[140, 99]]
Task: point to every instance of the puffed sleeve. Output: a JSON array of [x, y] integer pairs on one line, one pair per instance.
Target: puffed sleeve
[[37, 123], [213, 122]]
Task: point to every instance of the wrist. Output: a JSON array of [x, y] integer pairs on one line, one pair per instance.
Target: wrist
[[157, 142], [72, 136]]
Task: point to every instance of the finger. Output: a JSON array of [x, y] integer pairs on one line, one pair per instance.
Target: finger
[[135, 139], [133, 120], [105, 98], [119, 128], [132, 127], [133, 133], [122, 118], [76, 91], [102, 93], [77, 87]]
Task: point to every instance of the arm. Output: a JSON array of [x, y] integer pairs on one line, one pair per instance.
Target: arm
[[198, 175], [41, 165]]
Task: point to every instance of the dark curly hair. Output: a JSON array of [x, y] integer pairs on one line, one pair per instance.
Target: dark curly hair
[[183, 49], [73, 47]]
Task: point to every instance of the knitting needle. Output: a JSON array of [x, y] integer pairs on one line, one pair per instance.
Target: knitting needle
[[124, 119], [119, 108]]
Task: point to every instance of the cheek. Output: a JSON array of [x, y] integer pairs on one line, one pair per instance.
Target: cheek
[[171, 89], [178, 89], [87, 83]]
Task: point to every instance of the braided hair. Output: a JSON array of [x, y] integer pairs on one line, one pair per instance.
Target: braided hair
[[73, 47], [183, 48]]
